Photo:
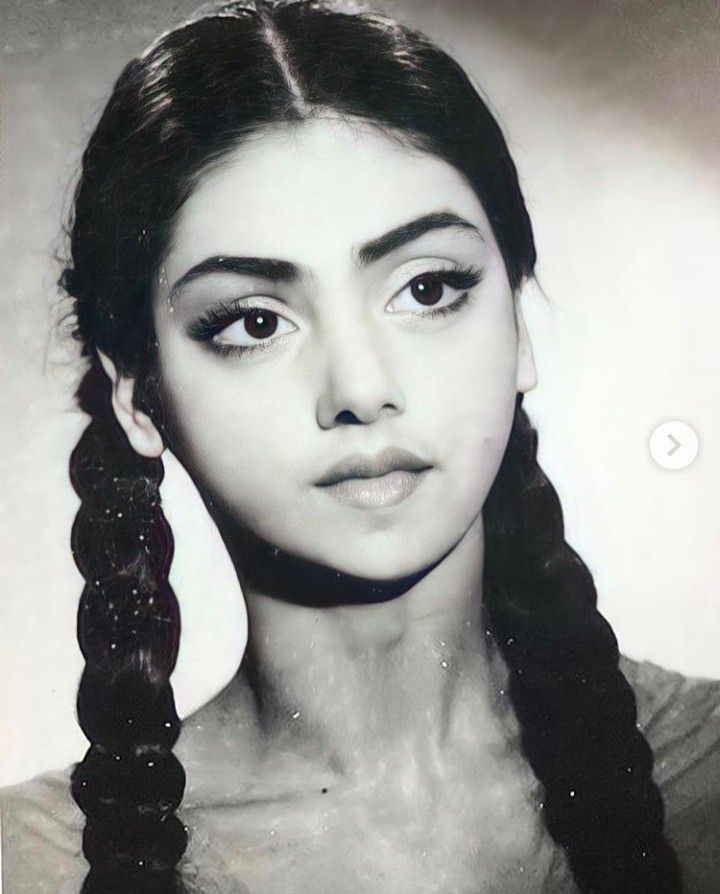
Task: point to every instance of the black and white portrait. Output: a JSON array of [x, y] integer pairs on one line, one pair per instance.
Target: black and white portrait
[[360, 411]]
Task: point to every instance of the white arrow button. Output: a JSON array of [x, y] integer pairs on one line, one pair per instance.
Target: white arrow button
[[673, 445]]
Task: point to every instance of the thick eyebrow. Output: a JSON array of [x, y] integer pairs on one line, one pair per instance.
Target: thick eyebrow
[[285, 271], [408, 232], [266, 268]]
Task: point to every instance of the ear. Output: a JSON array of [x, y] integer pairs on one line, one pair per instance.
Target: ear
[[526, 370], [144, 438]]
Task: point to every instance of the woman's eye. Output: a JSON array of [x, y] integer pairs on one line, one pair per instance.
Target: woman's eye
[[233, 329], [430, 290], [255, 324], [238, 331]]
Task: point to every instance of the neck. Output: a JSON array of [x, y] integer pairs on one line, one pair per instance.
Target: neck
[[410, 669]]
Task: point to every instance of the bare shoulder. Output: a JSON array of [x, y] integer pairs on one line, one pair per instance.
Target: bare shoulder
[[220, 751], [42, 836]]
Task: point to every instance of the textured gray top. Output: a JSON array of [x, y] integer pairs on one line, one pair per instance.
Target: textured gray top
[[680, 716]]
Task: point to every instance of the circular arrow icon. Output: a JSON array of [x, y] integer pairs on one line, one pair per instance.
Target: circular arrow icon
[[673, 445]]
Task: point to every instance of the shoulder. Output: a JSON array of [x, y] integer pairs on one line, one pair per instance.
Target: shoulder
[[680, 718], [42, 829], [42, 836]]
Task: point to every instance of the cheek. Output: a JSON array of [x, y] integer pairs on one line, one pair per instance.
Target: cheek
[[467, 396], [249, 434], [230, 425]]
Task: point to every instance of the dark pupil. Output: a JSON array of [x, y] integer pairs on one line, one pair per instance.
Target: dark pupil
[[260, 323], [427, 289]]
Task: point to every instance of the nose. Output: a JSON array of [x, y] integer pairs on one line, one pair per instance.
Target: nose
[[358, 386]]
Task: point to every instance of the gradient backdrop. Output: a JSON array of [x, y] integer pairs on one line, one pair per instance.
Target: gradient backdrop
[[612, 111]]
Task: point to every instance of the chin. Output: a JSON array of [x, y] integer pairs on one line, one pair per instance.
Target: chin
[[380, 558]]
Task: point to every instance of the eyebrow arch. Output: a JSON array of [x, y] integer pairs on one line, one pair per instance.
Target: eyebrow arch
[[285, 271], [408, 232], [266, 268]]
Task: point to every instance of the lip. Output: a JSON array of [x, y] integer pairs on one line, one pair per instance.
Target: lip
[[372, 482], [359, 465], [377, 492]]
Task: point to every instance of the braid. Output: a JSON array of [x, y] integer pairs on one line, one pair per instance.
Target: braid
[[197, 93], [576, 710], [129, 783]]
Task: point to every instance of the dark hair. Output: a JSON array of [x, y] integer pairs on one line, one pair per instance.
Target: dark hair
[[175, 111]]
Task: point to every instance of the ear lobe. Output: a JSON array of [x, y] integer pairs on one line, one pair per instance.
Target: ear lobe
[[141, 432], [527, 377]]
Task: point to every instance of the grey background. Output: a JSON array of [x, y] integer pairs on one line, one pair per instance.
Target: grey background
[[612, 112]]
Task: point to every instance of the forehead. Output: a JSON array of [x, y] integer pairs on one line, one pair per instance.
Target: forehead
[[309, 193]]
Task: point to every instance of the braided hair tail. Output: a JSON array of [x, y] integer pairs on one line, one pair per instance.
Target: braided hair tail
[[129, 783], [576, 710]]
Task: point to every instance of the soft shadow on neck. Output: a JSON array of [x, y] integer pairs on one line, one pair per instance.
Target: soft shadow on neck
[[266, 569], [365, 672]]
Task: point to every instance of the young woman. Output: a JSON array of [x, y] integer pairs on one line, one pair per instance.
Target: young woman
[[297, 246]]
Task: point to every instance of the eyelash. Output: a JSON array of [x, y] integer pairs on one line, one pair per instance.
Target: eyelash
[[215, 319]]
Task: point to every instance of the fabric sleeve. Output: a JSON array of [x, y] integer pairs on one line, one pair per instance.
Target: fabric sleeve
[[680, 717], [41, 837], [42, 830]]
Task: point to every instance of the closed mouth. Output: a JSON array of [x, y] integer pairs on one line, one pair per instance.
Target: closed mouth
[[376, 492], [359, 466]]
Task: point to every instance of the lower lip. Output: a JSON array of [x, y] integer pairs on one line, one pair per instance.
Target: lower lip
[[374, 493]]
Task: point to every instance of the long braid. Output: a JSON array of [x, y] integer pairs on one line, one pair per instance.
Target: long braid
[[576, 710], [195, 95], [129, 783]]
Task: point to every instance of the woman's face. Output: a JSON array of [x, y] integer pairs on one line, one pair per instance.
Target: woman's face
[[342, 355]]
